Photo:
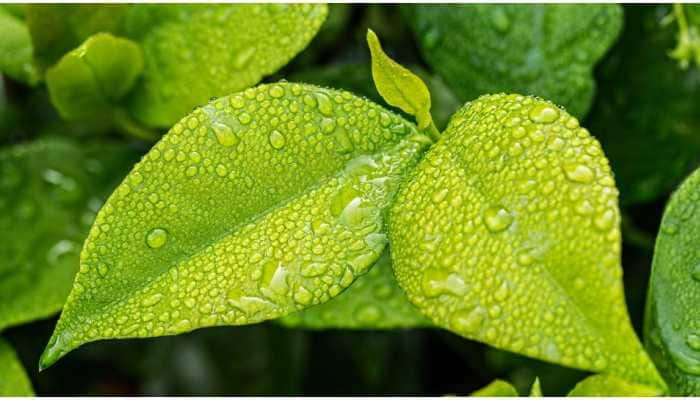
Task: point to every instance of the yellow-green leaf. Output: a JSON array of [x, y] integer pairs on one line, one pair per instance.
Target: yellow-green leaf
[[397, 85], [13, 378], [94, 76], [16, 51], [507, 232], [536, 389], [497, 388], [608, 386], [220, 222], [373, 301]]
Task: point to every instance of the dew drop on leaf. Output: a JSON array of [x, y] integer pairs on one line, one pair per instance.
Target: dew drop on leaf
[[156, 238], [497, 218]]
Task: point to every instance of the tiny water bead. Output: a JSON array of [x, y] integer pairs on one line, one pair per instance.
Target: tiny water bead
[[156, 238], [497, 218]]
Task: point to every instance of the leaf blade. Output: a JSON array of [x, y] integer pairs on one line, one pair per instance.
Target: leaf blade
[[608, 385], [251, 172], [14, 380], [488, 262]]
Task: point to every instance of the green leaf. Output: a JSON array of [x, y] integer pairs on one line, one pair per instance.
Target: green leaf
[[50, 191], [497, 388], [94, 76], [611, 386], [646, 118], [257, 205], [16, 58], [14, 380], [58, 28], [542, 50], [536, 389], [671, 333], [397, 85], [191, 53], [373, 301], [507, 232], [687, 49]]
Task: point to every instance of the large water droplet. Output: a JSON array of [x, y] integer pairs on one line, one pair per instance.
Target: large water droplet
[[693, 341], [468, 321], [324, 104], [543, 114], [578, 173], [439, 281], [277, 140], [156, 238], [497, 218], [224, 135], [276, 91]]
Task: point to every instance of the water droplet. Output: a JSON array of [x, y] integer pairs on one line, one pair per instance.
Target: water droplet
[[277, 140], [693, 341], [276, 91], [543, 114], [578, 173], [156, 238], [604, 220], [224, 135], [324, 104], [303, 296], [468, 321], [439, 281], [152, 300], [497, 218]]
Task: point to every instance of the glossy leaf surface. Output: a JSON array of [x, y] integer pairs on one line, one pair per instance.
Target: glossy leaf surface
[[507, 232], [542, 50], [609, 385], [13, 379], [672, 325], [373, 301], [259, 204], [94, 76], [50, 191], [647, 118]]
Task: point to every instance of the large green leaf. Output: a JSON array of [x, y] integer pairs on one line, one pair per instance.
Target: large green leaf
[[191, 53], [672, 325], [13, 378], [507, 232], [497, 388], [542, 50], [50, 191], [609, 385], [16, 51], [259, 204], [647, 119], [94, 76], [373, 301]]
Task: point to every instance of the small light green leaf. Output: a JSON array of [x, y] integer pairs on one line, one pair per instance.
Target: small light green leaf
[[603, 385], [13, 378], [687, 50], [191, 53], [95, 76], [546, 50], [497, 388], [50, 191], [58, 28], [373, 301], [647, 119], [507, 232], [536, 389], [397, 85], [16, 52], [671, 332], [220, 223]]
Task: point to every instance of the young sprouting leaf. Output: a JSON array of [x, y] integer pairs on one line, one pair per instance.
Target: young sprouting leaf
[[13, 378], [608, 386], [647, 118], [94, 76], [16, 58], [507, 232], [257, 205], [536, 389], [397, 85], [671, 330], [58, 28], [191, 53], [687, 50], [497, 388], [373, 301], [546, 50], [50, 191]]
